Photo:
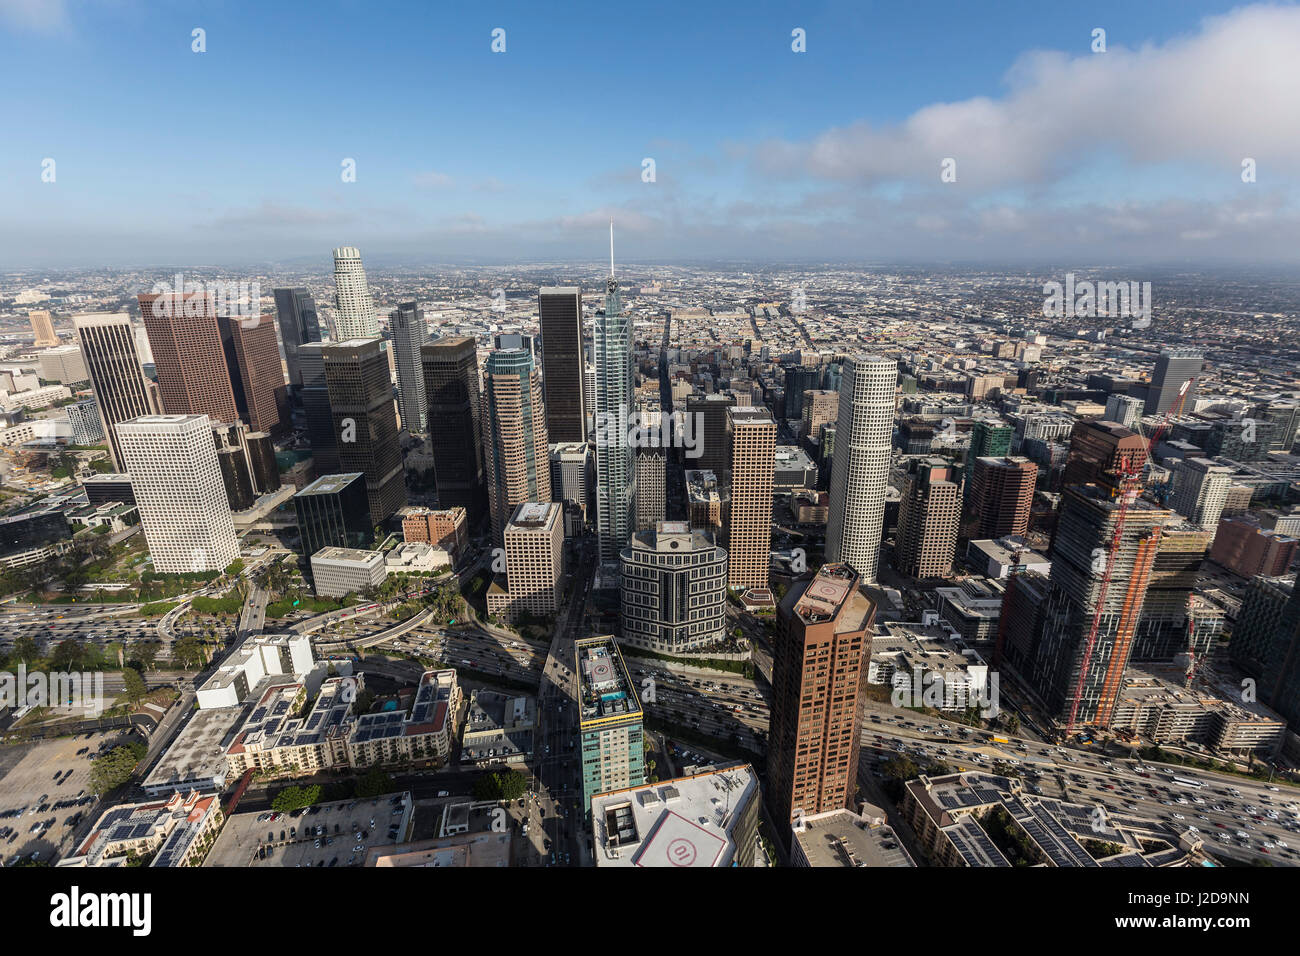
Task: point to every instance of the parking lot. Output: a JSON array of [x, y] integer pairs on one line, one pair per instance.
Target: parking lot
[[45, 791], [327, 834]]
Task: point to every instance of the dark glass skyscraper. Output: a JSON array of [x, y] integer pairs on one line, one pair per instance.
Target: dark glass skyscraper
[[407, 330], [798, 380], [1173, 368], [365, 422], [299, 324], [560, 313], [253, 359], [451, 385], [334, 511], [315, 398]]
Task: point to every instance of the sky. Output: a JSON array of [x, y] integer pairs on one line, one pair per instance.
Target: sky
[[162, 155]]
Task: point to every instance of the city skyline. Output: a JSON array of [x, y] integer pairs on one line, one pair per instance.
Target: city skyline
[[919, 487]]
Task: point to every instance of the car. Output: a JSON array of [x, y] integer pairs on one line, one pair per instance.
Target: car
[[358, 848]]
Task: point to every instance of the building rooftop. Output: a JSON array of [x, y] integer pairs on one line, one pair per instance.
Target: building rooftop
[[684, 822], [842, 838], [330, 484], [957, 804], [347, 554], [604, 687], [534, 515], [833, 594]]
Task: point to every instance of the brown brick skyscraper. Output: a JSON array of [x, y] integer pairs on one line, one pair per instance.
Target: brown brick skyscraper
[[819, 665], [253, 359], [1002, 495], [193, 378]]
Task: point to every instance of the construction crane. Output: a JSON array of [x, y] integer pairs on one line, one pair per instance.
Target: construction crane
[[1130, 485]]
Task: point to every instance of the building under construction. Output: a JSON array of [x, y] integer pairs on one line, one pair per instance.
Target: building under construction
[[1085, 545]]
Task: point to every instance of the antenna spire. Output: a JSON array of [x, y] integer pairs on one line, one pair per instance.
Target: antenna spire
[[611, 247]]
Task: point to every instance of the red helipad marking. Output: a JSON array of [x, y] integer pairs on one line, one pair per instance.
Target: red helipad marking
[[681, 852]]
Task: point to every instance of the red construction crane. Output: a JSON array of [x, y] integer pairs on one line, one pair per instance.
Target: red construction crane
[[1130, 474]]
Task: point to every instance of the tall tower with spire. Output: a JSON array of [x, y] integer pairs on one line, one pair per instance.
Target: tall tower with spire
[[615, 464]]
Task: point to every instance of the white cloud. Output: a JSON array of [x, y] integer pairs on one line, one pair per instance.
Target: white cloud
[[1210, 99]]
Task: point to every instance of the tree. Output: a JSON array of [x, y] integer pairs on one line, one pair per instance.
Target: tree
[[26, 649], [147, 652], [188, 653], [510, 785], [295, 798], [110, 771], [235, 568], [68, 656], [135, 685]]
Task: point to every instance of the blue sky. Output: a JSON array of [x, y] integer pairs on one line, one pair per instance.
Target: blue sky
[[164, 155]]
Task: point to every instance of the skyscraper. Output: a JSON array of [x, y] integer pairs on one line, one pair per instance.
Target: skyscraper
[[334, 511], [1001, 496], [989, 438], [860, 468], [1279, 687], [711, 412], [1201, 490], [1124, 409], [451, 385], [295, 310], [1101, 451], [611, 732], [751, 435], [589, 390], [559, 311], [1173, 368], [799, 379], [178, 490], [193, 375], [651, 490], [673, 596], [928, 517], [315, 397], [43, 327], [820, 406], [247, 462], [87, 429], [517, 459], [818, 671], [365, 422], [571, 473], [533, 541], [253, 359], [1080, 554], [108, 346], [355, 316], [408, 331], [615, 468]]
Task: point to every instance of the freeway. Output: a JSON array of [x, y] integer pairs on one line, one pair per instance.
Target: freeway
[[1236, 816]]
